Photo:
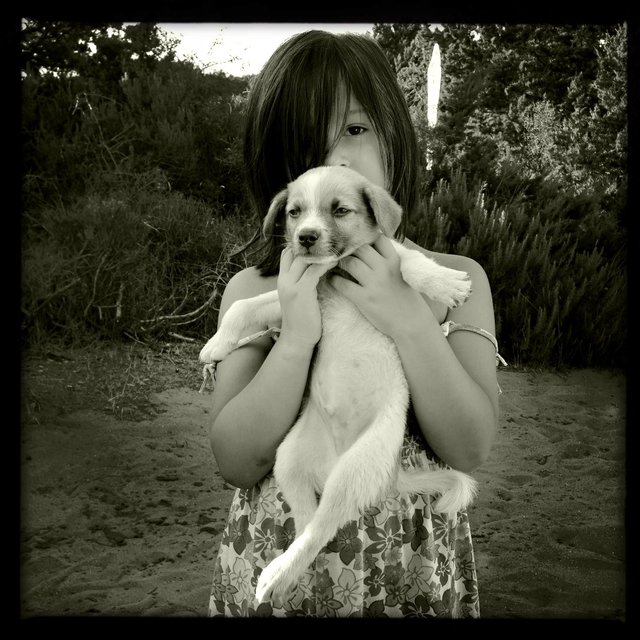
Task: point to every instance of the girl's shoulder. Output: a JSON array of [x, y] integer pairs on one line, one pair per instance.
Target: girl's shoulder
[[248, 283], [245, 284]]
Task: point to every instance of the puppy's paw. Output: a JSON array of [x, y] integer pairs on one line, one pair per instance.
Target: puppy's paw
[[218, 347], [275, 582], [451, 287]]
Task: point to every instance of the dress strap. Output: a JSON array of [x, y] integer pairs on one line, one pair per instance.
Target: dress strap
[[450, 327], [271, 332]]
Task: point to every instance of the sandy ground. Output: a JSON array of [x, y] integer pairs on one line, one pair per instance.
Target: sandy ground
[[122, 506]]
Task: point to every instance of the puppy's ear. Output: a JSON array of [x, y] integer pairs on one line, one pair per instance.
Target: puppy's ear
[[386, 211], [276, 208]]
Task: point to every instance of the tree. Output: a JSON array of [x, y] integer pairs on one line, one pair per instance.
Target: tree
[[111, 99], [105, 52], [545, 99], [56, 47], [396, 39]]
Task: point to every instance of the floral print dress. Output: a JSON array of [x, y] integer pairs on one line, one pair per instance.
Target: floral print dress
[[399, 559]]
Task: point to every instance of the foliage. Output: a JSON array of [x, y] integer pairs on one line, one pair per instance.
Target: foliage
[[133, 115], [131, 258], [559, 298], [527, 101], [189, 124], [133, 197], [529, 175], [101, 52]]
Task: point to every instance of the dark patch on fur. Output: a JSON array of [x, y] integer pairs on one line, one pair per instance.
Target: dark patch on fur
[[338, 271], [371, 216]]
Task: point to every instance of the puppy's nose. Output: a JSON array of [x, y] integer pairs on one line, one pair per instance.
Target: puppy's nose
[[308, 237]]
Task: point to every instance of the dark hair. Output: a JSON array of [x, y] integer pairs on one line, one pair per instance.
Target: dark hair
[[290, 107]]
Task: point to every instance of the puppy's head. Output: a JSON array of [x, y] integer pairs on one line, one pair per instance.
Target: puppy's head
[[331, 211]]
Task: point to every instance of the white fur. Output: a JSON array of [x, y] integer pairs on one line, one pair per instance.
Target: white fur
[[346, 443]]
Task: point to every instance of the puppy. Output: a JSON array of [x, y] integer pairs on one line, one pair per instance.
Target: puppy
[[345, 445]]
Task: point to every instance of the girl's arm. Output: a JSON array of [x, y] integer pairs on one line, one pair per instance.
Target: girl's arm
[[452, 381], [455, 396], [259, 387], [257, 398]]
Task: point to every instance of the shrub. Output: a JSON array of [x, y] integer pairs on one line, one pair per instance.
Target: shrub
[[174, 118], [125, 260], [559, 294]]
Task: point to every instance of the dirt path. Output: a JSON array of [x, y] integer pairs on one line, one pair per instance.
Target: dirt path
[[123, 507]]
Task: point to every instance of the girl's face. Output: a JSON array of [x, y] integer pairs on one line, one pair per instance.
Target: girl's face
[[356, 144]]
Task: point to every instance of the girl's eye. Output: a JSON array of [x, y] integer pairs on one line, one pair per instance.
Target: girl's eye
[[355, 130]]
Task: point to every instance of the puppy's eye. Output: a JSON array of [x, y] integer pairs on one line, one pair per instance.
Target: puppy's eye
[[293, 213], [341, 211]]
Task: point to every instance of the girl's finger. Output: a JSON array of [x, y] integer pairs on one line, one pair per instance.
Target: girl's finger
[[385, 247], [368, 255], [356, 267], [314, 272], [297, 269], [349, 289], [286, 258]]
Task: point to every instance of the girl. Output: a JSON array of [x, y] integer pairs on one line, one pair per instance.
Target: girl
[[334, 100]]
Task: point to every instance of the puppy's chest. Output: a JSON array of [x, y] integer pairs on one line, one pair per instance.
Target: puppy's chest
[[346, 333], [354, 359]]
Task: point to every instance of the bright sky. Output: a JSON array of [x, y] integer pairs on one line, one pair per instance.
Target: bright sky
[[251, 43]]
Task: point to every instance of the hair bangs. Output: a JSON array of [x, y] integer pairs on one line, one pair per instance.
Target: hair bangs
[[318, 88], [361, 80]]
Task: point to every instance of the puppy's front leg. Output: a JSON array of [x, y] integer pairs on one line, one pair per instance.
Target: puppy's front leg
[[243, 318], [449, 286]]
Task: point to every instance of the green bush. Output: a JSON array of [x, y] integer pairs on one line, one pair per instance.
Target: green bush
[[131, 259], [559, 293], [135, 258], [174, 118]]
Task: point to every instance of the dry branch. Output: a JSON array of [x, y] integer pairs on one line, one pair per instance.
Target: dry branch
[[95, 283], [188, 317], [57, 292], [181, 337], [119, 302]]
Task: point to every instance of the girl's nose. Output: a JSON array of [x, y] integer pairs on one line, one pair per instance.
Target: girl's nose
[[337, 157]]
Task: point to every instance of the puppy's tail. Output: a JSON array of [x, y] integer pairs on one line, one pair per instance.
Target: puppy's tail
[[457, 489]]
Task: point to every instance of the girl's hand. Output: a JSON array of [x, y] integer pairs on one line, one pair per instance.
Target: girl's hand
[[380, 294], [297, 290]]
